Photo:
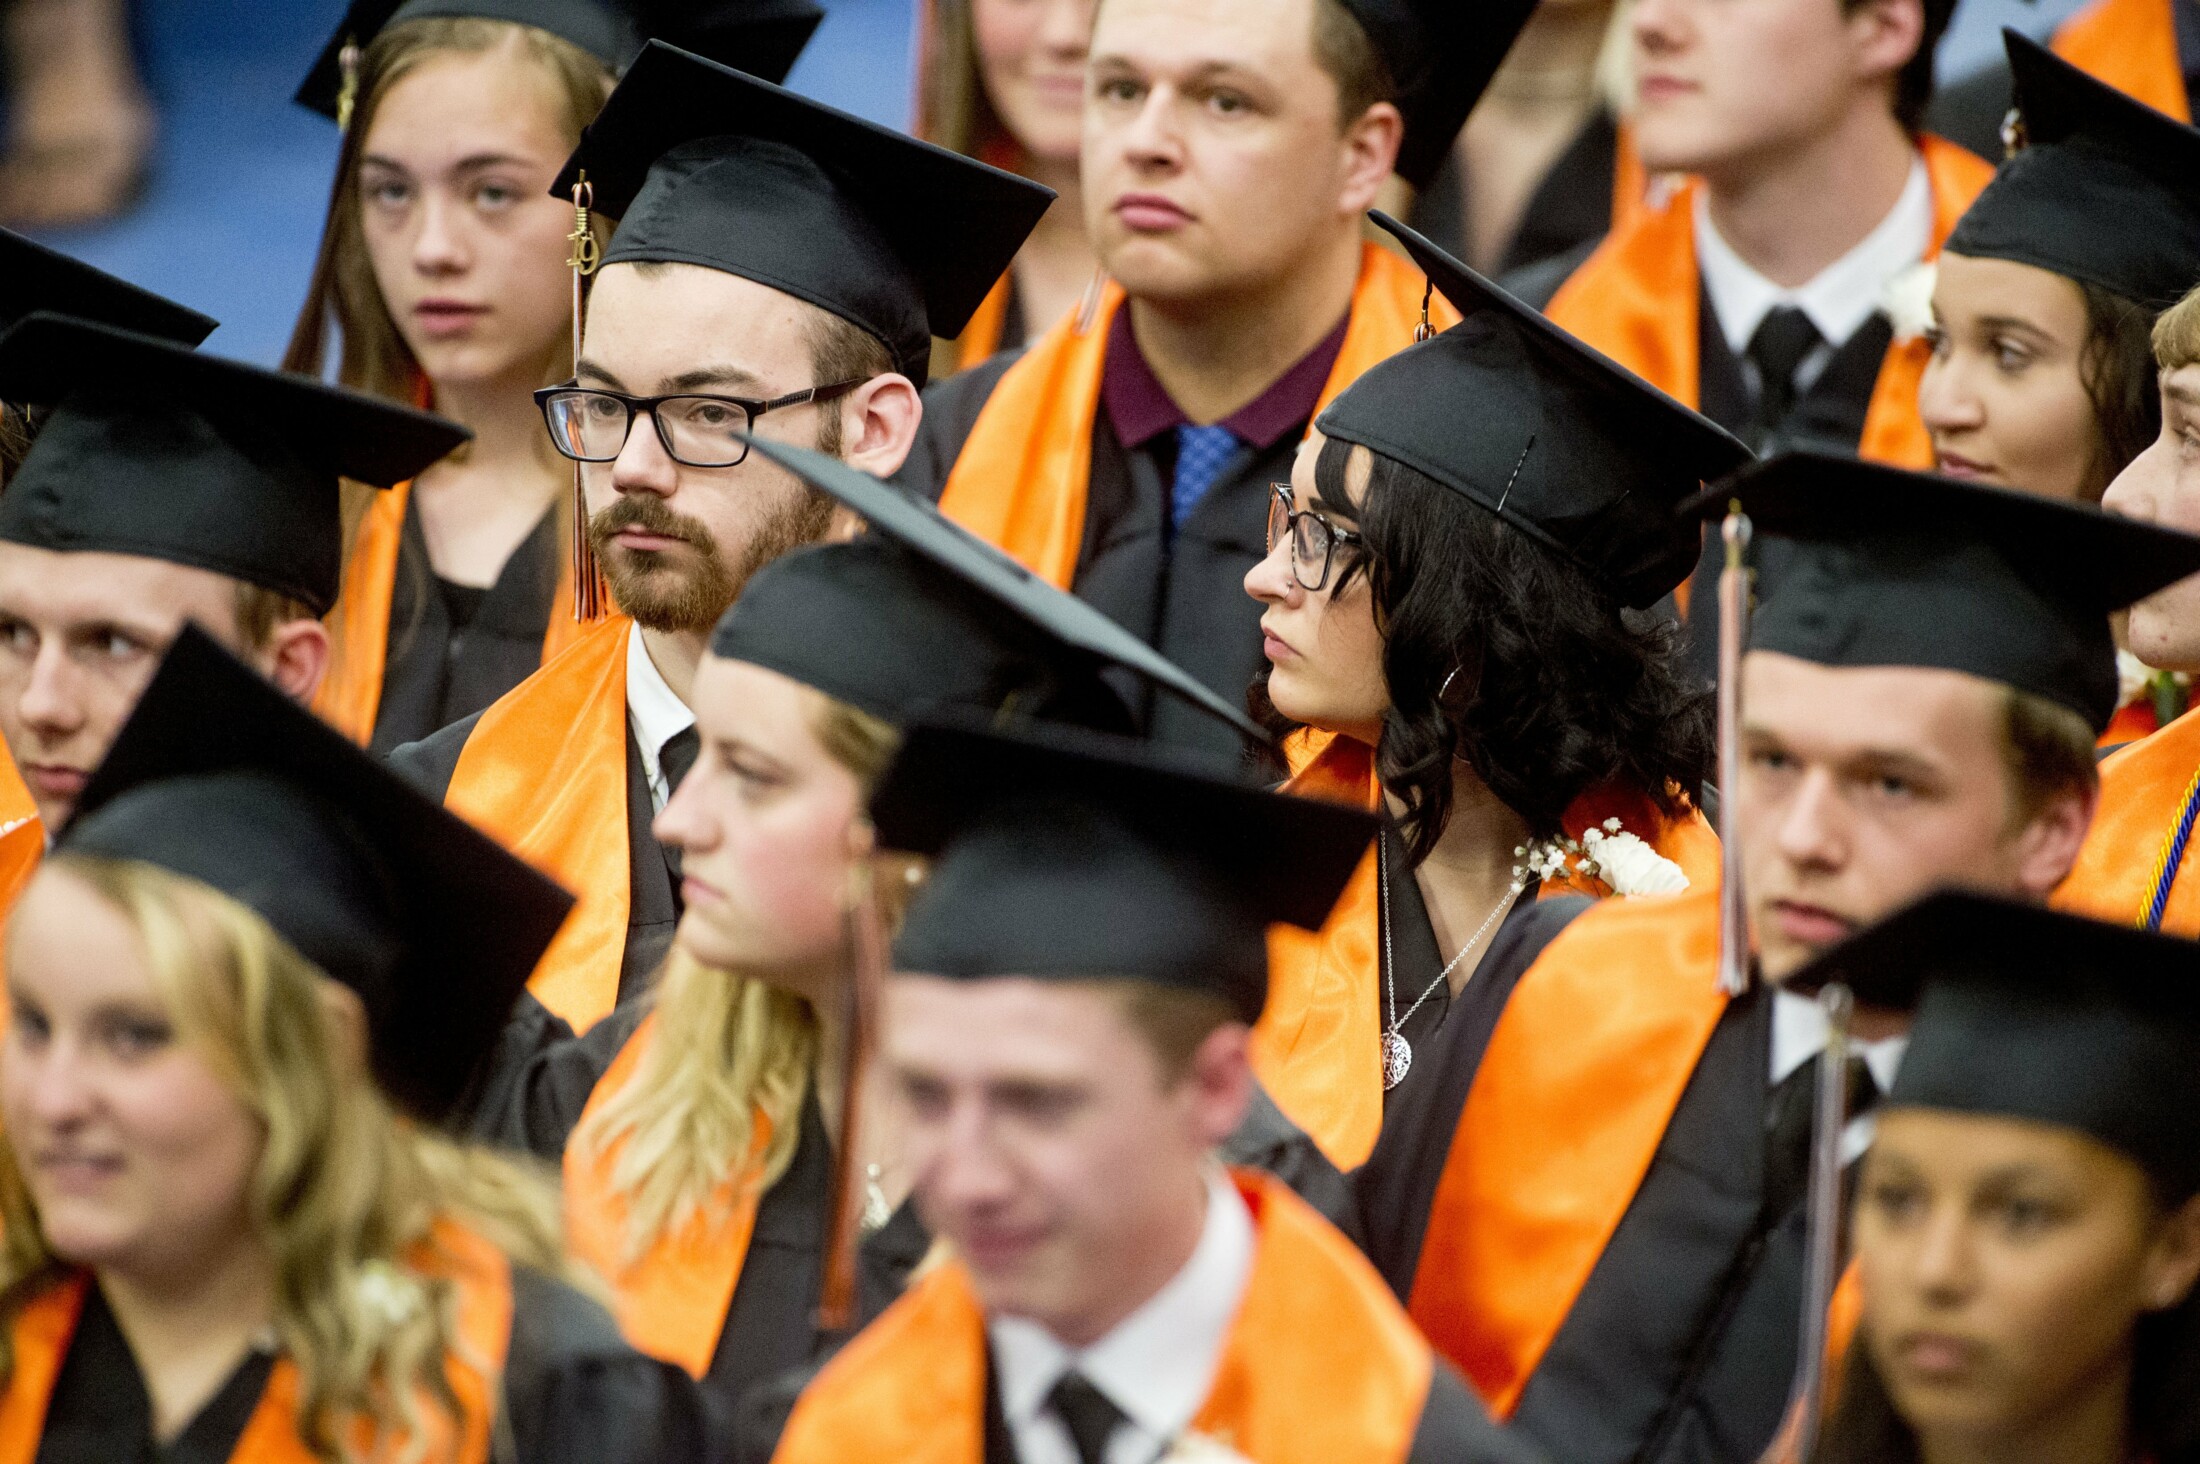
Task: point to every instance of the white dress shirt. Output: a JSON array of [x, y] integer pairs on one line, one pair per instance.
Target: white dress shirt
[[655, 712], [1157, 1366], [1838, 299], [1799, 1034]]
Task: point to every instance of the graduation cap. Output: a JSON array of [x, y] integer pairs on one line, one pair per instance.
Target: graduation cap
[[762, 37], [1075, 857], [156, 450], [219, 777], [2029, 1013], [703, 165], [2104, 189], [1441, 55], [940, 618], [1528, 423], [39, 278], [1893, 568]]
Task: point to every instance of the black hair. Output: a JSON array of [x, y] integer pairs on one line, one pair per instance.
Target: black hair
[[1499, 653], [2117, 368]]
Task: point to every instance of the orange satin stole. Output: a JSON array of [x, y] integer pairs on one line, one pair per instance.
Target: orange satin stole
[[350, 695], [2131, 45], [544, 773], [479, 1273], [1581, 1078], [671, 1300], [1317, 1047], [1319, 1366], [1021, 480], [2142, 789]]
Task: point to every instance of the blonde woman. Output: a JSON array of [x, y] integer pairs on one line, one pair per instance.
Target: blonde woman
[[224, 1237], [443, 268], [698, 1132]]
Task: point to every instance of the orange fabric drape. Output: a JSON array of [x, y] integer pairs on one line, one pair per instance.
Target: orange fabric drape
[[478, 1272], [1320, 1365], [1021, 481], [1572, 1100], [2131, 45], [1636, 300], [671, 1301], [544, 773], [22, 835], [1317, 1047], [1630, 179], [2142, 789], [350, 694], [981, 338]]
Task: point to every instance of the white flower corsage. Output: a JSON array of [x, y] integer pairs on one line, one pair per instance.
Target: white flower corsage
[[1624, 864], [391, 1296], [2134, 678], [1199, 1448], [1907, 300]]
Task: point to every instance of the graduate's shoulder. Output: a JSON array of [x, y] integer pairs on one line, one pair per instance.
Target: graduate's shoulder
[[430, 763], [951, 409], [576, 1389]]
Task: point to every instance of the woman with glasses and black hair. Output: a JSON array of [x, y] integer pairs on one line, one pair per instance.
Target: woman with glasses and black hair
[[1454, 591]]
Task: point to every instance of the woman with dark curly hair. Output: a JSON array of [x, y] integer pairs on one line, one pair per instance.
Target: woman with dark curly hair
[[1455, 591]]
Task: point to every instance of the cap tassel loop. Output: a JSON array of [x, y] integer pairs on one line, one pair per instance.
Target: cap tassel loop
[[1733, 634], [1798, 1435], [588, 587], [1425, 331], [347, 90]]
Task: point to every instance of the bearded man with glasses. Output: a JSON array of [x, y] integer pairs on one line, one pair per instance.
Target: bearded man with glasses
[[779, 267]]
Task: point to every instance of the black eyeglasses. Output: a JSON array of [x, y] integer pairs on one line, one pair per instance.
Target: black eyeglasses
[[1314, 539], [590, 424]]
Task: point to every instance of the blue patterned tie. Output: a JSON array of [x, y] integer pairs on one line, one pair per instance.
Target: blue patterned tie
[[1201, 455]]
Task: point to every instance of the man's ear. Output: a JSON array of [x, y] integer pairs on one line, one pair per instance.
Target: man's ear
[[296, 657], [1220, 1079], [879, 424], [1370, 146], [1884, 36], [2048, 846]]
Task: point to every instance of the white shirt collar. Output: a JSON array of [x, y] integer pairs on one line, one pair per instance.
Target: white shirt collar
[[1842, 296], [1158, 1364], [1799, 1033], [655, 712]]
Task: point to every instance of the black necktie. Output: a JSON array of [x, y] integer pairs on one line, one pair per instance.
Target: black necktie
[[1783, 338], [677, 757], [1088, 1415], [1788, 1115]]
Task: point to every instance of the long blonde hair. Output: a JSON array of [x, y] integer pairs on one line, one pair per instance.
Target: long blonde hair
[[345, 1191], [729, 1049]]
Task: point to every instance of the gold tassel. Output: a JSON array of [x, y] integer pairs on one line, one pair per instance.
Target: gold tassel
[[1424, 330], [588, 587], [1733, 628], [347, 91]]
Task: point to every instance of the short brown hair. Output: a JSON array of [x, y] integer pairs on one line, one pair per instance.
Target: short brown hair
[[261, 610], [1173, 1021], [841, 350], [2050, 753], [2177, 334], [1348, 57]]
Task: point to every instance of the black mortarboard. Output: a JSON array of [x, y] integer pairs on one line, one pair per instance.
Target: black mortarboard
[[219, 777], [1441, 54], [1077, 857], [2105, 189], [156, 450], [762, 37], [2029, 1013], [37, 278], [948, 620], [1528, 423], [703, 165], [1893, 568]]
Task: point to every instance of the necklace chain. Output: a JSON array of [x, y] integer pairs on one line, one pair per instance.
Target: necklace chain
[[1390, 991]]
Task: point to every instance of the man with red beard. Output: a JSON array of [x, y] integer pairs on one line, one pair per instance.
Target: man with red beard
[[778, 264]]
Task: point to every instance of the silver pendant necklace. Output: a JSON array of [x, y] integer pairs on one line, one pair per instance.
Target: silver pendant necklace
[[1397, 1052]]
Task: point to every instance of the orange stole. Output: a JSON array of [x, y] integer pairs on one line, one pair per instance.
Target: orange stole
[[1320, 1365], [1317, 1047], [350, 695], [1021, 481], [2131, 45], [1583, 1073], [981, 338], [2141, 789], [22, 835], [1636, 300], [544, 773], [481, 1274], [672, 1300]]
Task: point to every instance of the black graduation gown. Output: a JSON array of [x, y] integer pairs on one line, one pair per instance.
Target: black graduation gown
[[653, 913], [434, 676], [1570, 207], [573, 1390], [1183, 594]]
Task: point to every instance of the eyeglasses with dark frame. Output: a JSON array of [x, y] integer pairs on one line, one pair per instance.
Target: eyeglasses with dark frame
[[1314, 539], [590, 424]]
